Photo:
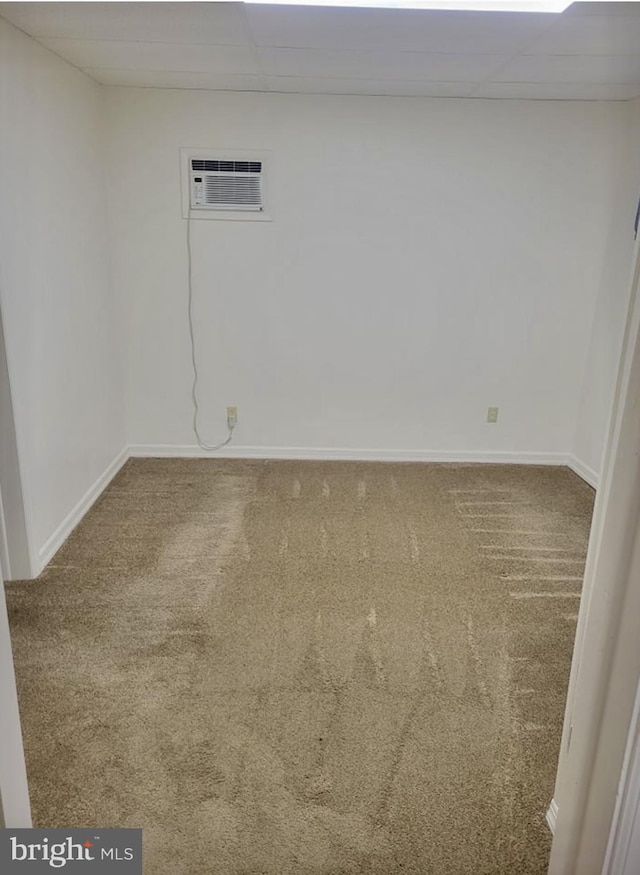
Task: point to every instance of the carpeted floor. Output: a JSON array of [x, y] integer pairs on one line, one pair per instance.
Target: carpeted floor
[[301, 667]]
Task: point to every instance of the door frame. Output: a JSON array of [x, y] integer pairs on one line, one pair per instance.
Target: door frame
[[15, 809], [605, 672], [16, 543], [623, 852]]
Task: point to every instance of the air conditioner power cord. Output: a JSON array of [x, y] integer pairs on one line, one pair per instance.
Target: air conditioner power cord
[[194, 387]]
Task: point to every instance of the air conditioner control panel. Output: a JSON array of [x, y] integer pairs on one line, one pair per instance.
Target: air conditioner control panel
[[198, 191]]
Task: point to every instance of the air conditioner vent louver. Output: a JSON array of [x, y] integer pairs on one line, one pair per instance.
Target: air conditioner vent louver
[[225, 184], [228, 166], [226, 190]]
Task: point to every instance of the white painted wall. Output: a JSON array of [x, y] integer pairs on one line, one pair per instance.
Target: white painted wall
[[603, 353], [426, 259], [60, 318]]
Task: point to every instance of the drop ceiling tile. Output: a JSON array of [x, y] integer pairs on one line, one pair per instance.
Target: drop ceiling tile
[[592, 51], [606, 7], [394, 29], [116, 55], [219, 23], [166, 79], [590, 35], [557, 91], [571, 68], [313, 63], [384, 87]]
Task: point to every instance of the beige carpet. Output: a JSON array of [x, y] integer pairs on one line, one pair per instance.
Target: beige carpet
[[301, 667]]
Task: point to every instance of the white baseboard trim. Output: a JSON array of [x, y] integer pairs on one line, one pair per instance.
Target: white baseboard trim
[[588, 474], [346, 454], [68, 524], [552, 816], [53, 544]]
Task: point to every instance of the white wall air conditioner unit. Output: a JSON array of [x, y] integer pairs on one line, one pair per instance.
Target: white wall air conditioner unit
[[223, 184]]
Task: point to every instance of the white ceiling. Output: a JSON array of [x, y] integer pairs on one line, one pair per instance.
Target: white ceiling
[[591, 51]]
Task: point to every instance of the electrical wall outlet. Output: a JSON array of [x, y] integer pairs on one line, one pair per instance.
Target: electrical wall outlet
[[232, 416], [492, 414]]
